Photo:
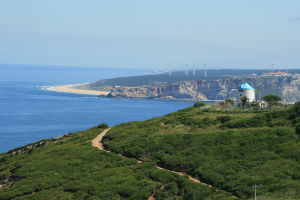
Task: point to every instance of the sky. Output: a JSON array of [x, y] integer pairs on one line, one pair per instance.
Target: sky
[[149, 34]]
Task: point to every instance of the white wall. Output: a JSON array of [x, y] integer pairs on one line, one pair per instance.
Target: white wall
[[250, 94]]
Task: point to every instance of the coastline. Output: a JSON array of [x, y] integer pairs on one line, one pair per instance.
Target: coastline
[[79, 89], [73, 89]]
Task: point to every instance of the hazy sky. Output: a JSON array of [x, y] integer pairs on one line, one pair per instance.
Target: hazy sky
[[147, 34]]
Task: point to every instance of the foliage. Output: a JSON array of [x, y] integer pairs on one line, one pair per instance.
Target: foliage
[[185, 189], [198, 104], [224, 119], [73, 169], [76, 170], [271, 99], [231, 150], [244, 100], [229, 101], [103, 125], [4, 176], [243, 148]]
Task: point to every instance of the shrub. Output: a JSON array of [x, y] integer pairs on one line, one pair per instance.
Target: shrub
[[3, 159], [172, 121], [224, 119], [243, 123], [105, 126], [229, 101], [198, 104], [163, 176], [4, 176]]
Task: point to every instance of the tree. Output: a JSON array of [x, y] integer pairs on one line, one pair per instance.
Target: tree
[[228, 101], [244, 100], [198, 104], [271, 99]]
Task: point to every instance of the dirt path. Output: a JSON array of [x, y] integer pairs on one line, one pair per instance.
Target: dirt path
[[97, 142], [183, 173]]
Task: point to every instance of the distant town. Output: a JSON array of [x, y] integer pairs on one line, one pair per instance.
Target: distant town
[[279, 73]]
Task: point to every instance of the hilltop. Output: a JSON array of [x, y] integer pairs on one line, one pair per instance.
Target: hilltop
[[230, 150], [177, 76]]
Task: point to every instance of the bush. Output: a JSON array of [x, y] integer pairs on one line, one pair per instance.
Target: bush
[[243, 123], [105, 126], [198, 104], [4, 176], [172, 121], [224, 119], [229, 101]]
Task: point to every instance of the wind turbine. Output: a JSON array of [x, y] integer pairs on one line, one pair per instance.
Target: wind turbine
[[194, 68], [170, 66], [272, 65], [205, 66], [186, 68]]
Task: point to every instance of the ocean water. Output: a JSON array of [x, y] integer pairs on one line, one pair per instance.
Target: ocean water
[[29, 111]]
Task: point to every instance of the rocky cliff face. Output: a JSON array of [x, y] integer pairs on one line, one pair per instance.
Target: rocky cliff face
[[287, 88]]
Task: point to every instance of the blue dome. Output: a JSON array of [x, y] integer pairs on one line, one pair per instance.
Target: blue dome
[[246, 86]]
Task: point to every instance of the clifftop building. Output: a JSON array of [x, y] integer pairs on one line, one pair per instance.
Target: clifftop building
[[245, 90]]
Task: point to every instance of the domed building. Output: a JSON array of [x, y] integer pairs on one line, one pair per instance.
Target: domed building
[[245, 90]]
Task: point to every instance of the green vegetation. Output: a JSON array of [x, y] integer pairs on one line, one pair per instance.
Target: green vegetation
[[104, 126], [73, 169], [198, 104], [271, 99], [229, 101], [244, 100], [232, 150]]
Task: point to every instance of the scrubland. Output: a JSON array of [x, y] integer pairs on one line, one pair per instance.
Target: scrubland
[[230, 150]]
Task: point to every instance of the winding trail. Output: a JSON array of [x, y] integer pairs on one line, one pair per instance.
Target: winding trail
[[97, 142]]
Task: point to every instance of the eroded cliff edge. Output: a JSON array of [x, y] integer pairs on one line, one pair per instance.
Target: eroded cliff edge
[[288, 88]]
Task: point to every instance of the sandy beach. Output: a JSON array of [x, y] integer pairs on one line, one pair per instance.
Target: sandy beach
[[74, 89]]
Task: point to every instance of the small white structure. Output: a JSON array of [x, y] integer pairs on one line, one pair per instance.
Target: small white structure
[[263, 104], [245, 90]]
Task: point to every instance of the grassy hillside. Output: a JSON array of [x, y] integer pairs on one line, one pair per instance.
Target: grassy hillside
[[73, 169], [233, 151]]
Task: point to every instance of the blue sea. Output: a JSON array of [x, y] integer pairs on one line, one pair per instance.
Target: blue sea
[[29, 111]]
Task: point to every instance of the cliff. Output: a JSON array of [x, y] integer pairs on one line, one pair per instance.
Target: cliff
[[288, 88]]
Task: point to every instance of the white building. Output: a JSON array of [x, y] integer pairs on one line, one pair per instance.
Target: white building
[[245, 90]]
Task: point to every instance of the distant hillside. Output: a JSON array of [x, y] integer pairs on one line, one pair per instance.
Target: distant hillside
[[287, 88], [218, 85], [176, 77]]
